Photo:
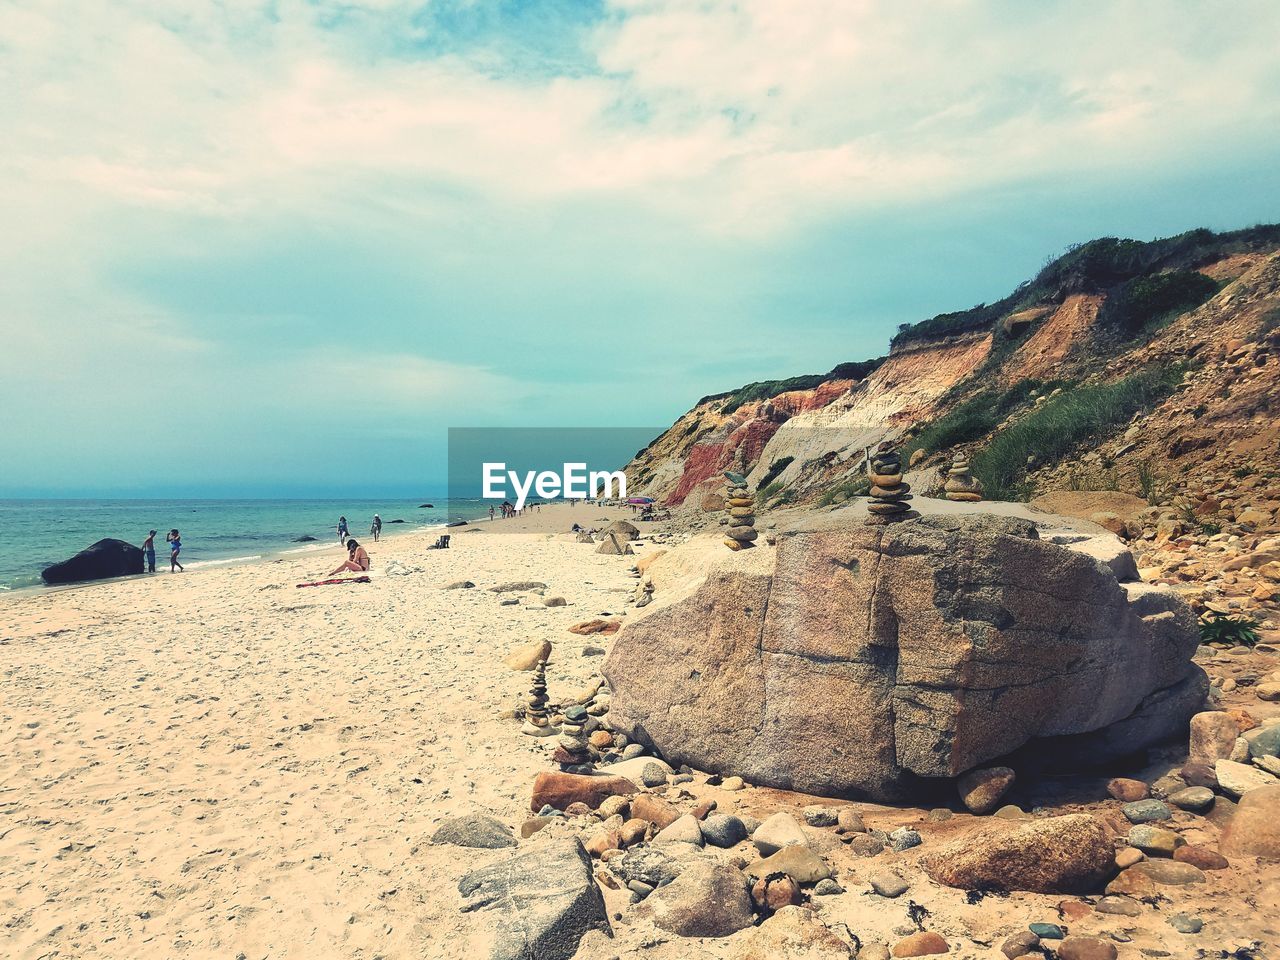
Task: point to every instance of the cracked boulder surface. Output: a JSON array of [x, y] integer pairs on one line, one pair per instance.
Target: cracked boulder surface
[[869, 660]]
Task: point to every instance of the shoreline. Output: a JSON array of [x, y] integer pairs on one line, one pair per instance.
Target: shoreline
[[269, 556]]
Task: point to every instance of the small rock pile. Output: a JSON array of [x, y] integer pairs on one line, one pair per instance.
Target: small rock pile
[[740, 513], [889, 495], [962, 485], [573, 751], [537, 721]]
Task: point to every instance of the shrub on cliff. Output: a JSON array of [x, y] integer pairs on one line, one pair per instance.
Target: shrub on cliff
[[1059, 425], [1146, 301]]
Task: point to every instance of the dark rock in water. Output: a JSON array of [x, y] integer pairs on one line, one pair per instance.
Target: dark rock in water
[[395, 521], [304, 539], [475, 830], [106, 558], [426, 506], [456, 523], [868, 660], [544, 900]]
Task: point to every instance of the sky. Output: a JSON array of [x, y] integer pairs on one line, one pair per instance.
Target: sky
[[257, 248]]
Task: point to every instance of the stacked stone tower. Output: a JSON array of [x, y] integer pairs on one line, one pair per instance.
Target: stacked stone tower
[[739, 508]]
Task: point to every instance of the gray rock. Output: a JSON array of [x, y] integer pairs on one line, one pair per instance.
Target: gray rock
[[646, 864], [1185, 923], [818, 816], [1146, 811], [544, 898], [888, 884], [1195, 799], [904, 838], [653, 774], [685, 829], [866, 648], [1237, 779], [827, 888], [1047, 931], [1264, 741], [865, 844], [474, 830], [723, 830], [518, 586], [778, 831], [874, 951], [1119, 906], [706, 900]]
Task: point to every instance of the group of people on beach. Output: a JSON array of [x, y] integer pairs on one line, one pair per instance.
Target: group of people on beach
[[174, 539], [509, 509]]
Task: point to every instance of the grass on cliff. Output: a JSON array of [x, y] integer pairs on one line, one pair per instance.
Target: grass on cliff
[[1057, 427], [974, 418]]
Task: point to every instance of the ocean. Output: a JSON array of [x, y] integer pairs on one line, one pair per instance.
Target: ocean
[[44, 532]]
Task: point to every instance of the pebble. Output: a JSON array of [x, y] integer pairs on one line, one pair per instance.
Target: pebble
[[904, 838], [1020, 945], [1128, 790], [817, 816], [874, 951], [723, 830], [1128, 857], [1047, 931], [865, 844], [1086, 948], [632, 750], [653, 775], [922, 944], [1205, 858], [849, 820], [1185, 923], [1146, 811], [1155, 841], [888, 884], [1118, 906], [1195, 799], [732, 783], [827, 888]]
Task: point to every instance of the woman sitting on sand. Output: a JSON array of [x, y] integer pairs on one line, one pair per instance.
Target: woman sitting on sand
[[357, 559]]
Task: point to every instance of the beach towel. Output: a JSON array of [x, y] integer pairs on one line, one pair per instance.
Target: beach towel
[[325, 583]]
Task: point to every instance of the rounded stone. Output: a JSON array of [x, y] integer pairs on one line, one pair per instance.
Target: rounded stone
[[1146, 811], [1195, 799], [982, 790], [1129, 791], [1086, 948], [922, 944]]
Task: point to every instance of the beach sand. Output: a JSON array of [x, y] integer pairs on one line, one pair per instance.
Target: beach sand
[[221, 764]]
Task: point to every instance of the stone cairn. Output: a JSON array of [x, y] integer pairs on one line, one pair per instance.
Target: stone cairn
[[537, 719], [889, 495], [962, 485], [573, 751], [740, 513]]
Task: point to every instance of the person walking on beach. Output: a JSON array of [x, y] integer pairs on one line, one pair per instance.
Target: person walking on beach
[[343, 533], [149, 551], [357, 559], [175, 547], [491, 513], [376, 529]]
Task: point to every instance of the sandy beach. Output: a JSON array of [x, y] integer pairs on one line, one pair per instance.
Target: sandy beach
[[221, 764]]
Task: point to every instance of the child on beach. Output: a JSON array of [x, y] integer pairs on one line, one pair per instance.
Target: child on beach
[[376, 528], [149, 551], [357, 559], [175, 547]]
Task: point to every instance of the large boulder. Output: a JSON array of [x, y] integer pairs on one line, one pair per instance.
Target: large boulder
[[1071, 854], [106, 558], [707, 899], [543, 900], [858, 660], [1254, 831]]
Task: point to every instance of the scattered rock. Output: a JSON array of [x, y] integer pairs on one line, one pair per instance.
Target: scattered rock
[[1127, 790], [1254, 831], [923, 944], [556, 789], [1155, 841], [982, 790], [459, 585], [1195, 799], [1167, 872], [723, 830], [819, 816], [1199, 775], [904, 838], [474, 830], [528, 656], [1185, 923], [1071, 854], [888, 884], [773, 891], [776, 832], [1213, 735], [555, 602], [827, 888], [656, 810], [653, 774], [1146, 811], [1086, 948], [849, 820], [1012, 812], [705, 900], [685, 829], [1047, 931], [1020, 945], [1238, 779], [792, 933], [545, 896], [647, 865], [1118, 906], [518, 586], [799, 863], [589, 627]]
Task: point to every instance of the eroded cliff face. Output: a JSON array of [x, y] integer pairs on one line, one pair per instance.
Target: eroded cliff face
[[802, 444]]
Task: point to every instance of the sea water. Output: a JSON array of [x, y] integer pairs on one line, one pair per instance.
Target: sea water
[[38, 533]]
